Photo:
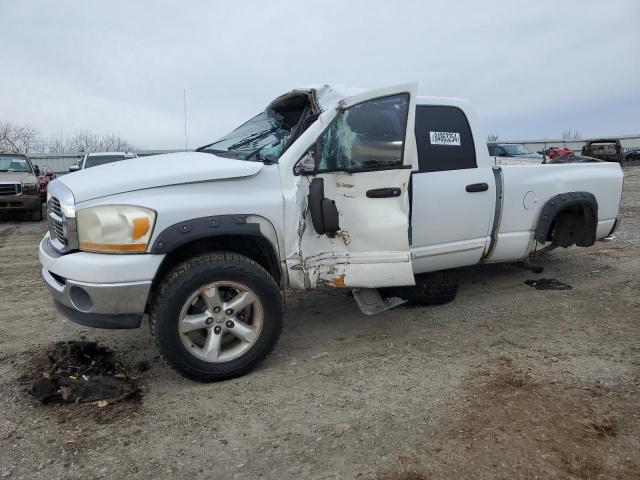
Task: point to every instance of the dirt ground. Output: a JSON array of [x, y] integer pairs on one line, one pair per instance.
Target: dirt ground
[[505, 382]]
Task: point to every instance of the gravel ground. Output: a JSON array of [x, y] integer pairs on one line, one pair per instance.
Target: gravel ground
[[504, 382]]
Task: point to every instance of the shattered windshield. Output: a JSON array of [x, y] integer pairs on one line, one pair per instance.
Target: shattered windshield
[[263, 138]]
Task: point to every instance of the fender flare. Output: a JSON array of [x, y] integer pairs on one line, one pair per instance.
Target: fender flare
[[561, 201], [179, 234]]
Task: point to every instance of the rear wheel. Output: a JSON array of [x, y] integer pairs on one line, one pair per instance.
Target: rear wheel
[[216, 316], [433, 288]]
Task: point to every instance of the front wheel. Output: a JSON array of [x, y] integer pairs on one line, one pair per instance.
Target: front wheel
[[216, 316], [36, 215]]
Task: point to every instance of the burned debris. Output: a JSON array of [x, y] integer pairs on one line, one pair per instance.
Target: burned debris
[[82, 372]]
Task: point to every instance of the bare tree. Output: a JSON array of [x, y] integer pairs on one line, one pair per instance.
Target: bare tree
[[19, 138], [569, 134], [492, 137], [55, 145], [85, 141], [111, 142]]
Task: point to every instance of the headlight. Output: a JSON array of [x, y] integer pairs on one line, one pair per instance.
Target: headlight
[[115, 228], [28, 188]]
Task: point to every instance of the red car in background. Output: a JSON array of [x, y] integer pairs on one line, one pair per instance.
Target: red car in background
[[553, 152], [46, 175]]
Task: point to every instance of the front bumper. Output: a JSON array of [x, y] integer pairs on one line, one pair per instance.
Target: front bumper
[[100, 305], [21, 203], [111, 299]]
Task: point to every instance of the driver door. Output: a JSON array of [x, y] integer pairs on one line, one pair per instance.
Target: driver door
[[355, 227]]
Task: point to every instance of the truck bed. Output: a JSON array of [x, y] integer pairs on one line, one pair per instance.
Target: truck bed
[[522, 191]]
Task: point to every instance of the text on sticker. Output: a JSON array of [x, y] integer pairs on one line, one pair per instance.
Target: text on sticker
[[445, 138]]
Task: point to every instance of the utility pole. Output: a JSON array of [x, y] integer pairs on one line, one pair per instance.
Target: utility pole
[[184, 104]]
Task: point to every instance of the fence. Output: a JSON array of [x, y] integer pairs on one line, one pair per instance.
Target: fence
[[627, 141], [61, 163]]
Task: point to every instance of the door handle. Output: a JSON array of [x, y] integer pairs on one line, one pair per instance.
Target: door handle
[[477, 187], [384, 192]]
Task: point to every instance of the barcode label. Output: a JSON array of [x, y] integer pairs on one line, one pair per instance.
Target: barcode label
[[445, 138]]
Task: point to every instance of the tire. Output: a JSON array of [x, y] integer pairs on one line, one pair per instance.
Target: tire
[[215, 270], [433, 288], [36, 215]]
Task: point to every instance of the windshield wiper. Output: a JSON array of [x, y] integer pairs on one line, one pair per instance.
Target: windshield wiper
[[251, 138]]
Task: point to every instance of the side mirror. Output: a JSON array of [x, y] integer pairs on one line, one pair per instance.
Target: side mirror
[[324, 213], [74, 168], [36, 170], [307, 164]]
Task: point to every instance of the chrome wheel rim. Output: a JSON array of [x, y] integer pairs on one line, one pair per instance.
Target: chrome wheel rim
[[220, 321]]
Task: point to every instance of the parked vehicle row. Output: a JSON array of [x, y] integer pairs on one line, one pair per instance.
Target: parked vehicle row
[[609, 150], [383, 192]]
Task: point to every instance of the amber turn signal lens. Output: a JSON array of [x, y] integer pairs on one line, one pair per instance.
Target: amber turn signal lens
[[140, 227]]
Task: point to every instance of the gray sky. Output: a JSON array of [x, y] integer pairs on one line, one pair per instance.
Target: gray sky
[[121, 66]]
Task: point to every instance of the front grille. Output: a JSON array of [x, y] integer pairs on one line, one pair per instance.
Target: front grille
[[61, 217], [10, 189], [55, 206], [56, 221]]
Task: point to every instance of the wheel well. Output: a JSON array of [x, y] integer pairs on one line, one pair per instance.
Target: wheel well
[[573, 224], [568, 219], [256, 248]]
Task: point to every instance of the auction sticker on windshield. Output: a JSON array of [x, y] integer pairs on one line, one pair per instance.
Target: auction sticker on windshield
[[445, 138]]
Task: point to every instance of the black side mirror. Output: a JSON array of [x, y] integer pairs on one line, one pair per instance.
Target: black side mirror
[[306, 164], [324, 213], [36, 170]]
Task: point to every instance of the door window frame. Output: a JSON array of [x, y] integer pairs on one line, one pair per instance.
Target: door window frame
[[341, 110]]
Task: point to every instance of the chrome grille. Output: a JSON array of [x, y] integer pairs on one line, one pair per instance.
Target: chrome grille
[[61, 218], [10, 189], [55, 206], [56, 221]]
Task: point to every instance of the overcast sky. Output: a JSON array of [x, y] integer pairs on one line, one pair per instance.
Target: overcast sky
[[531, 68]]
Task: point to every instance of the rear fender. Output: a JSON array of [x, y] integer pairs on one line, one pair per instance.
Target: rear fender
[[563, 201]]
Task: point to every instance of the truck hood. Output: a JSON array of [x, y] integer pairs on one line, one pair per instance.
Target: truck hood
[[155, 171], [17, 177]]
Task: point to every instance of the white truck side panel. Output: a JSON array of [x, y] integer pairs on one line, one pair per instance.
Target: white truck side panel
[[526, 189], [259, 196]]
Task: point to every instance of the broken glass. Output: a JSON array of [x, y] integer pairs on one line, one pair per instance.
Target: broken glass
[[369, 135]]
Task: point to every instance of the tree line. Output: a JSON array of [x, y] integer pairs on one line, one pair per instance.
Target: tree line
[[16, 138]]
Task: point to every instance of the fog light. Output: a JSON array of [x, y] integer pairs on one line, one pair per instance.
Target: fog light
[[80, 299]]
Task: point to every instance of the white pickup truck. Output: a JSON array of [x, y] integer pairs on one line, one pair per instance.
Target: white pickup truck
[[326, 187]]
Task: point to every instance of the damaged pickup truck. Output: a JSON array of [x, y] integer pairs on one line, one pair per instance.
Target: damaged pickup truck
[[382, 192]]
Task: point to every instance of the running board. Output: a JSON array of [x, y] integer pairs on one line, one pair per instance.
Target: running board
[[371, 303]]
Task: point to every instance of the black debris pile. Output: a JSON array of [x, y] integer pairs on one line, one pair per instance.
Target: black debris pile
[[81, 372], [548, 284]]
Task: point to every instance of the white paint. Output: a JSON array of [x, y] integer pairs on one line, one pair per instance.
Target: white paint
[[450, 227], [154, 171], [530, 200]]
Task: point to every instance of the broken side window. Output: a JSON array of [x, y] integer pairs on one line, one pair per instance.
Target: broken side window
[[366, 136]]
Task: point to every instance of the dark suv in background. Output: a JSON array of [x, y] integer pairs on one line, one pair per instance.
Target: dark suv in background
[[19, 185], [608, 149]]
